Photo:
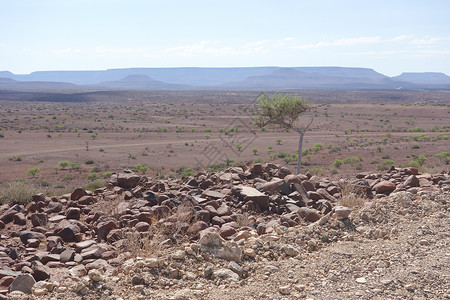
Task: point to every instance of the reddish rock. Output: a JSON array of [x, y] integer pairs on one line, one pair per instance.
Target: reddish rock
[[411, 181], [314, 196], [27, 235], [78, 193], [40, 272], [257, 169], [86, 200], [227, 231], [20, 219], [142, 226], [5, 282], [128, 180], [38, 197], [39, 219], [308, 214], [195, 228], [384, 187], [67, 231], [104, 228], [73, 213], [217, 221], [308, 186]]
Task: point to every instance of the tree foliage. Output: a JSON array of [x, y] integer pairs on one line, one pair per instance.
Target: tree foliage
[[282, 110]]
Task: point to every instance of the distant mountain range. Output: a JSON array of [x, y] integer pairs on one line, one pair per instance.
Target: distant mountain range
[[251, 78]]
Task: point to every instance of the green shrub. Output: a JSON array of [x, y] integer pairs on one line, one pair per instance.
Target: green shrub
[[107, 174], [89, 162], [96, 184], [281, 154], [63, 164], [34, 171], [93, 176], [352, 159], [337, 163], [185, 172]]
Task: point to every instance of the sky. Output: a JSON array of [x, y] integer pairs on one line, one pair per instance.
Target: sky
[[389, 36]]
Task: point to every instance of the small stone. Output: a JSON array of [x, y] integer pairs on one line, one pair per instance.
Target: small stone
[[299, 287], [236, 268], [424, 242], [208, 271], [290, 251], [179, 255], [95, 275], [361, 280], [285, 290], [226, 274], [250, 252]]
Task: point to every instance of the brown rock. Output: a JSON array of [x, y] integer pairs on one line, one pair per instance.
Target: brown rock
[[39, 219], [40, 272], [308, 214], [20, 219], [104, 228], [384, 187], [142, 226], [73, 213], [78, 193], [411, 181]]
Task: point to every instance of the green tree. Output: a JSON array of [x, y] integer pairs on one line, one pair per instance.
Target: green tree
[[93, 176], [239, 147], [278, 141], [283, 110], [317, 147], [255, 151], [34, 171], [228, 161], [269, 148], [63, 164]]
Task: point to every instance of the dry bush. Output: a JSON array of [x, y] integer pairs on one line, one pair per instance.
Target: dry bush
[[170, 230], [352, 196], [17, 192]]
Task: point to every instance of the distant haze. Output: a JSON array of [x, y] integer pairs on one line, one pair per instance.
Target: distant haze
[[259, 78], [391, 37]]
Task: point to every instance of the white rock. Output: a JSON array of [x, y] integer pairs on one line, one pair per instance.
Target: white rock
[[226, 274], [284, 290], [179, 255], [361, 280], [341, 212], [214, 243], [95, 275]]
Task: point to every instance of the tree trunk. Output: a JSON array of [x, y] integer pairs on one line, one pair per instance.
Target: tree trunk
[[300, 144]]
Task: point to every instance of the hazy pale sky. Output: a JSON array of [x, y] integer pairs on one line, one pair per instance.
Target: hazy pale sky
[[390, 36]]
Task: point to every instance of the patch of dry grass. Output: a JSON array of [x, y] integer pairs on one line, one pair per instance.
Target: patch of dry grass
[[352, 196], [17, 192]]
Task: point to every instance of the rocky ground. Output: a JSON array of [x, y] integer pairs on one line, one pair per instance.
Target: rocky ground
[[254, 232]]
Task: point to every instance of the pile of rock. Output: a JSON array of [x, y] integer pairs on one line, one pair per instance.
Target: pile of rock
[[86, 235]]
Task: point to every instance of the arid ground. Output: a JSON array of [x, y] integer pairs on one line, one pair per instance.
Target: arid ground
[[166, 134]]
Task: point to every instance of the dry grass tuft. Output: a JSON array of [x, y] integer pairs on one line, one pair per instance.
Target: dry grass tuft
[[352, 196], [17, 192]]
